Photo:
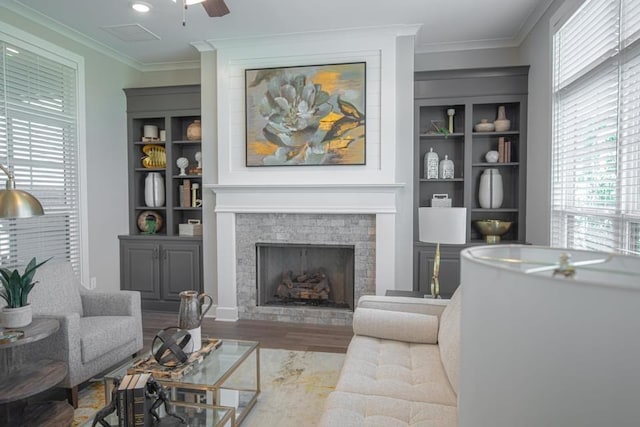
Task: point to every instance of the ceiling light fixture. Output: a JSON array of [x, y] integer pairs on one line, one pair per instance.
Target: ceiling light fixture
[[140, 6]]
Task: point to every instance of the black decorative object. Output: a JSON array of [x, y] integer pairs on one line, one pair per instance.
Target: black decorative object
[[168, 347], [110, 408], [156, 392]]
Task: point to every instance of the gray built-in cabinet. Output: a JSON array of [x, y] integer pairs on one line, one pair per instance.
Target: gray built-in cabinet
[[163, 264], [474, 95]]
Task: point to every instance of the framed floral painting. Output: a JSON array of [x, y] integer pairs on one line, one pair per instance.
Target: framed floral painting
[[306, 115]]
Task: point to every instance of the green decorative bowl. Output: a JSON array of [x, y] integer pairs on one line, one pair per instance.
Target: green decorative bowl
[[492, 229]]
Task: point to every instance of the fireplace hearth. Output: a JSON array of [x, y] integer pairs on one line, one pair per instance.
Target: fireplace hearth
[[305, 275]]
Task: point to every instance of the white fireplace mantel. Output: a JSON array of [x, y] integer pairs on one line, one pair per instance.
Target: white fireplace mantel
[[307, 198], [376, 199]]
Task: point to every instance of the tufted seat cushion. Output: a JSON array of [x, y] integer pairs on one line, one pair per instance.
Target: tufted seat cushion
[[101, 334], [396, 369], [352, 409]]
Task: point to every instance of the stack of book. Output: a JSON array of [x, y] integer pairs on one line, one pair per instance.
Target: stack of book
[[133, 408], [504, 150]]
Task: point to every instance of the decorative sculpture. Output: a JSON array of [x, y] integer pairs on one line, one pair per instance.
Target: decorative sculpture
[[110, 408], [159, 395], [168, 347]]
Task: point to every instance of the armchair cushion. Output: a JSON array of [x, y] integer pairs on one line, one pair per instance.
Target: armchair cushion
[[58, 291], [101, 334], [395, 325]]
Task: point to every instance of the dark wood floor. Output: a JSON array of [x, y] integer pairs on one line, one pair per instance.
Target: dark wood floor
[[288, 336]]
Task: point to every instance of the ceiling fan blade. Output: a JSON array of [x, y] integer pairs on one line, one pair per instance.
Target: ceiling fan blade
[[215, 8]]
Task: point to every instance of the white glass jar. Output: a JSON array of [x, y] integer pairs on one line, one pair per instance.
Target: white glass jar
[[431, 165], [446, 168]]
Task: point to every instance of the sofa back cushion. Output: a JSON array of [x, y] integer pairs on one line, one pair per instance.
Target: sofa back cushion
[[449, 339], [58, 290]]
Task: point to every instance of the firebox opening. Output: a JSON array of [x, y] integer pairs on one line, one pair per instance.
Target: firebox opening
[[305, 275]]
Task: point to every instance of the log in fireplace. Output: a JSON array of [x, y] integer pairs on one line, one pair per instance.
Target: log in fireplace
[[305, 275]]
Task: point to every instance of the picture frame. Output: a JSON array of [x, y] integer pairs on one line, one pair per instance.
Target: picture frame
[[308, 115]]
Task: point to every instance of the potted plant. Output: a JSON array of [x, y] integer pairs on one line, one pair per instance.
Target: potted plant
[[15, 290]]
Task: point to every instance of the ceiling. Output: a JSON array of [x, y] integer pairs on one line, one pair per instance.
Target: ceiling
[[446, 24]]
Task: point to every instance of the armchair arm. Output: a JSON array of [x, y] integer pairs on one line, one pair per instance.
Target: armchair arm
[[120, 303], [433, 307], [396, 325], [65, 343]]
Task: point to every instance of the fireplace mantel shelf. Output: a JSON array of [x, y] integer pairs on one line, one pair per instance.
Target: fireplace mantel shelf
[[226, 188], [306, 198]]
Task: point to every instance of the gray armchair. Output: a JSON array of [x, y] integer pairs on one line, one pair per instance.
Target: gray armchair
[[97, 329]]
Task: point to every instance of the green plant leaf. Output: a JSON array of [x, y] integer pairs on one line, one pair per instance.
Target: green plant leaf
[[16, 287]]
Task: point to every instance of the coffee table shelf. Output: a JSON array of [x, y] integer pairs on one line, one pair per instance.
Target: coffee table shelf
[[228, 377]]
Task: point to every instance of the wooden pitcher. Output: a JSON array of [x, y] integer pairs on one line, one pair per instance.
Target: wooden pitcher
[[191, 309]]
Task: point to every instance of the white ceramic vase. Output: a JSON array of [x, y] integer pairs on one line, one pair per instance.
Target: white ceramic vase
[[490, 193], [154, 190], [16, 317]]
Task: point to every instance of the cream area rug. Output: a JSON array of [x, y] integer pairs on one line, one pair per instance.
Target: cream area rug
[[294, 386]]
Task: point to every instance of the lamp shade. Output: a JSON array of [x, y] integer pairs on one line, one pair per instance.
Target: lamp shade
[[443, 225], [17, 203], [542, 349]]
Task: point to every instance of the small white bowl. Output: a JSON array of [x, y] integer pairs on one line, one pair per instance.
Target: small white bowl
[[484, 126]]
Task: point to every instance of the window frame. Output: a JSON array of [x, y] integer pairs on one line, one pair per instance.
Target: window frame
[[53, 52], [623, 220]]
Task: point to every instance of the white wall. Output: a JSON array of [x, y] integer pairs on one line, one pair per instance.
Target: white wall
[[106, 137], [477, 58], [536, 50]]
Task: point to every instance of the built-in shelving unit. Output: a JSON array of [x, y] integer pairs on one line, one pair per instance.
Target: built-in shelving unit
[[473, 95], [162, 264]]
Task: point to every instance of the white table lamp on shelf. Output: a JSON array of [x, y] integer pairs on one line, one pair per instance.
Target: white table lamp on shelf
[[441, 225]]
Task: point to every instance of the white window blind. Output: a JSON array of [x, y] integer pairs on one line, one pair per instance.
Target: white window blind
[[39, 142], [596, 128]]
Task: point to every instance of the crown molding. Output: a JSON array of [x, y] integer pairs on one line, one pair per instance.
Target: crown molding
[[331, 34], [464, 45], [74, 35], [515, 41], [532, 20]]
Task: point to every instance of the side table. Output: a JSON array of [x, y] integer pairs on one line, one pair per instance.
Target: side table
[[412, 294], [20, 379]]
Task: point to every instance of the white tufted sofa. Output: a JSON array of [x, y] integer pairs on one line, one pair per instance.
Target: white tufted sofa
[[401, 367]]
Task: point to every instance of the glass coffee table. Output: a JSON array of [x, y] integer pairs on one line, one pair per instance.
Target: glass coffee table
[[194, 416], [228, 377]]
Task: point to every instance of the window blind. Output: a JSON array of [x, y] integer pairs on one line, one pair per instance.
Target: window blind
[[596, 128], [39, 143]]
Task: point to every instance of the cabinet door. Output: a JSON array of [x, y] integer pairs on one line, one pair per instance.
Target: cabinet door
[[181, 268], [449, 276], [140, 269]]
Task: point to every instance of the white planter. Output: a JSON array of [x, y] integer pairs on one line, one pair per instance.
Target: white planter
[[16, 317]]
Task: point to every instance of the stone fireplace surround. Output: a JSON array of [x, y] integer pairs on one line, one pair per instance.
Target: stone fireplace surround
[[330, 229], [364, 213]]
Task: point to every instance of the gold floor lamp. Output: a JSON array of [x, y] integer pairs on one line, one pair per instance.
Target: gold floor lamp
[[441, 225], [17, 203]]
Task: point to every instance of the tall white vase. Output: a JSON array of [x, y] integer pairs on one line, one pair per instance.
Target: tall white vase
[[154, 190], [490, 193]]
